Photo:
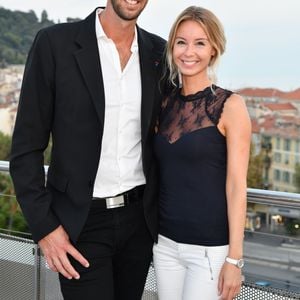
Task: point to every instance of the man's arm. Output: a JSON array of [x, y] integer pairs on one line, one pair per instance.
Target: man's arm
[[31, 136], [30, 139]]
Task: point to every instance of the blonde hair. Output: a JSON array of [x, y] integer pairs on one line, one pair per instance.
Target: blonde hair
[[213, 29]]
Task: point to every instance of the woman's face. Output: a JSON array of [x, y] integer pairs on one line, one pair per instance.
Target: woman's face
[[192, 50]]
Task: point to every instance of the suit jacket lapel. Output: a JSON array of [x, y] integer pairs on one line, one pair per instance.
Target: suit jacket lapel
[[89, 64], [149, 81]]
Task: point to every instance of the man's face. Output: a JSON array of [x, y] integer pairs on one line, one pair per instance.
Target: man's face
[[128, 9]]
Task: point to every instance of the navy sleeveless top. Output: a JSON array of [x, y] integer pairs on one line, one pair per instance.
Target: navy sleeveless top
[[191, 154]]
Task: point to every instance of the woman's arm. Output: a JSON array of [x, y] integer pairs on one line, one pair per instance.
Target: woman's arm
[[235, 124]]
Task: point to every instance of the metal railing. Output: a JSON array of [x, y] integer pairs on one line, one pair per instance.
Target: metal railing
[[4, 166], [25, 275], [267, 197]]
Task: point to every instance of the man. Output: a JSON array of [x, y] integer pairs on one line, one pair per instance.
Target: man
[[92, 86]]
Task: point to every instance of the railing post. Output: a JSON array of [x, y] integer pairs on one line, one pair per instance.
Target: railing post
[[37, 272]]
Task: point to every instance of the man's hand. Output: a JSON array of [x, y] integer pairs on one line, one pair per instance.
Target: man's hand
[[55, 246]]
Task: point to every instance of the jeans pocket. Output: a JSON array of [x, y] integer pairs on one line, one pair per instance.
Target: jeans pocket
[[209, 264]]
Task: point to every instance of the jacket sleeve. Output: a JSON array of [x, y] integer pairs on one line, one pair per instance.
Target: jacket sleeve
[[31, 136]]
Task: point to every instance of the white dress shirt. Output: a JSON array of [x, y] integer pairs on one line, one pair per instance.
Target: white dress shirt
[[120, 167]]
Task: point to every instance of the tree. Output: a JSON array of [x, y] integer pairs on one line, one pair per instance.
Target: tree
[[11, 217], [292, 227], [297, 177], [17, 31], [71, 20], [5, 144], [255, 170], [44, 16]]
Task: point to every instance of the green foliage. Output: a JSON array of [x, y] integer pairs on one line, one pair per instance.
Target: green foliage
[[44, 17], [71, 20], [11, 217], [6, 186], [5, 143], [292, 226], [17, 31], [297, 177], [255, 170], [47, 153]]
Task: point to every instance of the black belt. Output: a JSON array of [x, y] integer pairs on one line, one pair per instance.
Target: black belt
[[123, 199]]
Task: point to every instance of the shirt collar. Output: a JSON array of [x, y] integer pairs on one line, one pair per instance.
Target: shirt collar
[[101, 34]]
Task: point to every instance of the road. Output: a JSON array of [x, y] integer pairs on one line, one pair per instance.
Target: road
[[270, 259]]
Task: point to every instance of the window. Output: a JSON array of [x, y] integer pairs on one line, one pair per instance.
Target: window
[[277, 175], [278, 140], [287, 159], [286, 177], [297, 146], [277, 157], [287, 145]]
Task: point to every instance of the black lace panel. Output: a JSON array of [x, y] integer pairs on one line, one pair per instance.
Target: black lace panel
[[184, 114]]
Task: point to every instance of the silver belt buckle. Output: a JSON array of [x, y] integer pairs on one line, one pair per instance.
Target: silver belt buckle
[[113, 202]]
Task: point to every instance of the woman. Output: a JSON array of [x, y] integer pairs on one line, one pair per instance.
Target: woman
[[202, 146]]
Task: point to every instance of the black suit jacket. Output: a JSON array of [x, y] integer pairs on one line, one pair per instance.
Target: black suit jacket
[[62, 95]]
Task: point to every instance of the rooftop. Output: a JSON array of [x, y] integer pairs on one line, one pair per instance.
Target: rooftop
[[280, 106], [270, 93]]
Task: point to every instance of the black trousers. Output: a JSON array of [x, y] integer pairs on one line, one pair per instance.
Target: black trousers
[[118, 246]]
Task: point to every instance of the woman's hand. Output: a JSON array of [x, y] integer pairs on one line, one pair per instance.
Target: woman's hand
[[230, 280]]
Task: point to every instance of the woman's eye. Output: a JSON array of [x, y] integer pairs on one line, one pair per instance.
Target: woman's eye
[[180, 42], [200, 44]]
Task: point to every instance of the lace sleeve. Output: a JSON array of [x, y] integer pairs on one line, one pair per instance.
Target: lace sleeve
[[215, 105]]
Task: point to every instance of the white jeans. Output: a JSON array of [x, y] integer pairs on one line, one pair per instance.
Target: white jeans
[[187, 272]]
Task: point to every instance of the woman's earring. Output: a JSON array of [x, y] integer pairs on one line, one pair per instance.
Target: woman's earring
[[179, 79]]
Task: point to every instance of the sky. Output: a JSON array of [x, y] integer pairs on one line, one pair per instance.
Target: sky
[[263, 36]]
